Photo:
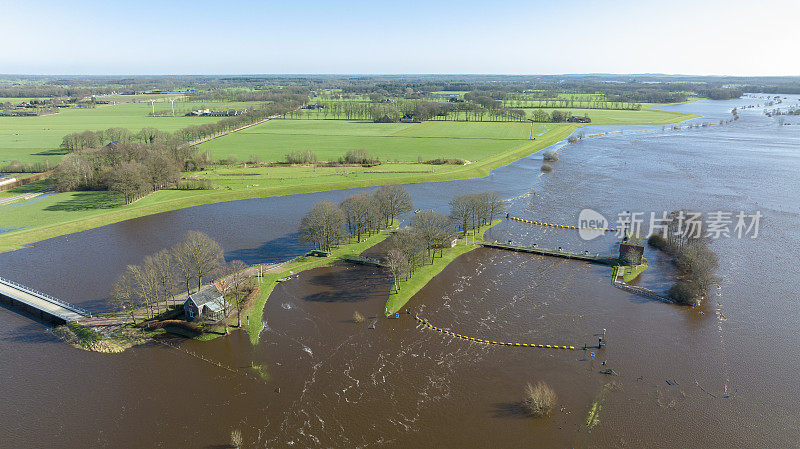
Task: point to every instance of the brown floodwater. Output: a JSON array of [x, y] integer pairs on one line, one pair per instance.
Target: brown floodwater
[[685, 377]]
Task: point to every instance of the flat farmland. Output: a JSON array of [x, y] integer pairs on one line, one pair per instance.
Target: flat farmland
[[645, 116], [405, 142], [34, 139]]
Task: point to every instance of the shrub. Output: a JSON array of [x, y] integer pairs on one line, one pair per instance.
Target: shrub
[[358, 157], [358, 317], [180, 324], [550, 156], [572, 139], [195, 184], [443, 161], [539, 399], [547, 168], [684, 292], [301, 157], [658, 241]]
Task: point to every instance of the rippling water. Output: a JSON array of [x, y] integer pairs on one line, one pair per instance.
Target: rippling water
[[328, 382]]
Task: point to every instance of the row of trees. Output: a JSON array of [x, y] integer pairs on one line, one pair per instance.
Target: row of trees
[[327, 224], [155, 137], [430, 231], [190, 263], [696, 263], [131, 169], [353, 157]]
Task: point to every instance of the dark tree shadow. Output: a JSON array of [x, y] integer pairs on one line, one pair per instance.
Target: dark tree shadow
[[510, 410], [32, 187], [276, 250], [52, 152], [81, 201]]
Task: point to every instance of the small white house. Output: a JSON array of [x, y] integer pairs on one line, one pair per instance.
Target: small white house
[[206, 304]]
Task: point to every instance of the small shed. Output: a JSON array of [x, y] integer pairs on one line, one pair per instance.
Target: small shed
[[208, 303], [631, 254]]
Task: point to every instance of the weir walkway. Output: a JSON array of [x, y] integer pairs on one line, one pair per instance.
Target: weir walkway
[[585, 256], [40, 304]]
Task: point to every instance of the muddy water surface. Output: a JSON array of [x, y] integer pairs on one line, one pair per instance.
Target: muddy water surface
[[721, 375]]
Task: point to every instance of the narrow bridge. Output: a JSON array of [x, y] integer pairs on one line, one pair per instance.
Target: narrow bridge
[[585, 256], [39, 304]]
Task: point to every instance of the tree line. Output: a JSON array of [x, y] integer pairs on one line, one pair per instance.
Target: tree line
[[136, 164], [155, 137], [161, 276], [695, 262], [328, 224]]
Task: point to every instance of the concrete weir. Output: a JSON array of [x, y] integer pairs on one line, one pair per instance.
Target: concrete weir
[[39, 304], [594, 258]]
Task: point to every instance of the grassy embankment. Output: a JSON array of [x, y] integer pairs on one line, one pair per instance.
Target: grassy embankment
[[632, 273], [267, 283], [424, 274], [65, 213]]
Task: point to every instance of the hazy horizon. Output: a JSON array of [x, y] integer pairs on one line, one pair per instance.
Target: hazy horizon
[[719, 38]]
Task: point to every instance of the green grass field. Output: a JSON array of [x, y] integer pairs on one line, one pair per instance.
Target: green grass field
[[32, 139], [65, 213], [644, 116], [406, 142]]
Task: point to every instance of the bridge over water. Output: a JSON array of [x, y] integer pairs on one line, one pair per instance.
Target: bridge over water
[[39, 304]]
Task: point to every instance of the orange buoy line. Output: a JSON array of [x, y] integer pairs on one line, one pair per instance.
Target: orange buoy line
[[489, 342], [553, 225]]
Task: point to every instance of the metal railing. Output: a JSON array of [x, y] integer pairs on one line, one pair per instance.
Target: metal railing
[[46, 297]]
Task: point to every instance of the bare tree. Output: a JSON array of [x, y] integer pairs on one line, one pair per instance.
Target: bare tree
[[322, 225], [123, 297], [239, 283], [137, 285], [197, 256], [398, 264], [496, 207], [393, 201], [162, 265], [460, 211], [433, 228]]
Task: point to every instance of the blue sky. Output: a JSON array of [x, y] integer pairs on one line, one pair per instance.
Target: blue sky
[[734, 37]]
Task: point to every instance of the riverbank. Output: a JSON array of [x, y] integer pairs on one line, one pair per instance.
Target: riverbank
[[422, 275], [632, 273]]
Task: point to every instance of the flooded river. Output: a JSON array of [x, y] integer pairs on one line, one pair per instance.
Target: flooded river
[[720, 375]]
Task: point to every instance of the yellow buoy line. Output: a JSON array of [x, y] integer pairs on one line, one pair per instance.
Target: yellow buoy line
[[553, 225], [489, 342]]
